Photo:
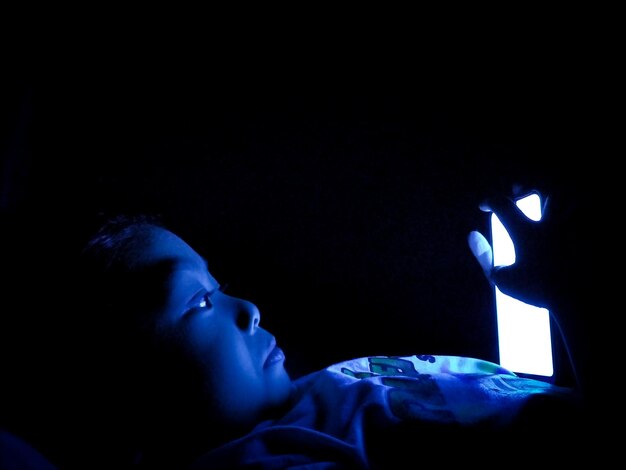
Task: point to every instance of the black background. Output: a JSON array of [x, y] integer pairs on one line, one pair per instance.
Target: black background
[[336, 194]]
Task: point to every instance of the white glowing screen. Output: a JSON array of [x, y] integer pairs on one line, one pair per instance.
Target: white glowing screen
[[524, 341]]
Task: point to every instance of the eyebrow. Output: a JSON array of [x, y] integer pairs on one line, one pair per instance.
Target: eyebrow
[[163, 270], [175, 266], [172, 271]]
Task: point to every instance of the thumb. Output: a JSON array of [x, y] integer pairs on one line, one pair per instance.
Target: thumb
[[481, 249]]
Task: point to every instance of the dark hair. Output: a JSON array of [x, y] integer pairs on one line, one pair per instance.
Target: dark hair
[[117, 237], [108, 275], [139, 373], [71, 334]]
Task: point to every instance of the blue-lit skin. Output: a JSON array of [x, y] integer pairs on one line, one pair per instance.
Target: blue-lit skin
[[530, 277], [215, 336]]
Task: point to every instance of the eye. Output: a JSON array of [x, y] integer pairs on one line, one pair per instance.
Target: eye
[[205, 301]]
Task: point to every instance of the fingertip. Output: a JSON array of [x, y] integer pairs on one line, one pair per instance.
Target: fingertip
[[480, 249], [484, 206], [477, 242]]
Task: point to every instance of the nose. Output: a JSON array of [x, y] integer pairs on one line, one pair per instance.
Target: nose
[[248, 316]]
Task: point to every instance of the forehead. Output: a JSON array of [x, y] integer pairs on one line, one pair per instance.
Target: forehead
[[167, 262], [163, 254], [165, 247]]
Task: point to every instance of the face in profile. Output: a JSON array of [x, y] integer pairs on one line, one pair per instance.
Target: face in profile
[[215, 338]]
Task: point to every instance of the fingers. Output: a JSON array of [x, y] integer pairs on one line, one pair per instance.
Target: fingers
[[504, 278], [506, 210], [520, 285], [526, 278], [512, 217]]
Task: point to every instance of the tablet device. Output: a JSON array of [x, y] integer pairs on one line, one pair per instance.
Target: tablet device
[[524, 333]]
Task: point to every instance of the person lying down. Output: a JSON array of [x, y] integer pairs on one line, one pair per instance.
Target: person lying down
[[182, 375]]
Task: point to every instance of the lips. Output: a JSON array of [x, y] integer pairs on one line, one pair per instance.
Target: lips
[[275, 354]]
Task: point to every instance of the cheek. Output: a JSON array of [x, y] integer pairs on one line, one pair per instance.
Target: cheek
[[220, 352], [186, 349], [228, 359], [200, 334]]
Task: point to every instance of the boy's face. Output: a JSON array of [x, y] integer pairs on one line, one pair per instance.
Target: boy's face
[[215, 336]]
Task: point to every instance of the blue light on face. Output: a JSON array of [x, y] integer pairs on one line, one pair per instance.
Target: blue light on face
[[524, 337]]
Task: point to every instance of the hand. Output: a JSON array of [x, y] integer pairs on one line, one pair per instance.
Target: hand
[[551, 270], [537, 277]]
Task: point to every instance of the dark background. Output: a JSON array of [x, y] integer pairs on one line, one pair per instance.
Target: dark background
[[338, 199]]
